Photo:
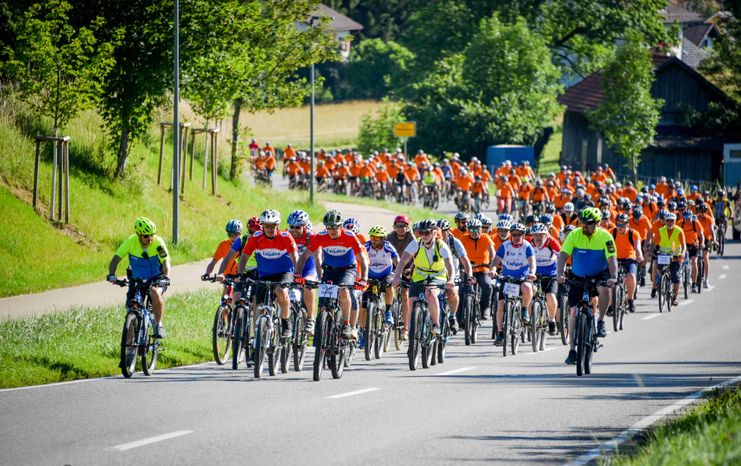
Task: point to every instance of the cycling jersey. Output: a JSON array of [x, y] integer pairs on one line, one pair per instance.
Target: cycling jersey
[[624, 243], [545, 257], [339, 252], [237, 247], [381, 261], [429, 263], [515, 258], [145, 263], [447, 171], [272, 253], [221, 251], [589, 254], [309, 269], [671, 243], [642, 226], [708, 224], [478, 251]]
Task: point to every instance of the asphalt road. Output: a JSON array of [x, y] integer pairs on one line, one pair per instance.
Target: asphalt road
[[478, 407]]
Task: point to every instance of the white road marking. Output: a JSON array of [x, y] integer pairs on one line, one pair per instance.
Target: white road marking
[[726, 267], [150, 440], [457, 371], [652, 316], [722, 277], [612, 445], [684, 303], [710, 288], [358, 392]]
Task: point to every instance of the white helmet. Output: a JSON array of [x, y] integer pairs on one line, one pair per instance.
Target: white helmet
[[270, 216], [568, 207]]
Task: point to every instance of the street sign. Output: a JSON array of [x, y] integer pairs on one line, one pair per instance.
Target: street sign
[[405, 130]]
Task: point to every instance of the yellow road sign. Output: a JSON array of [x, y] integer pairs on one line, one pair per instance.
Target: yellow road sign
[[405, 130]]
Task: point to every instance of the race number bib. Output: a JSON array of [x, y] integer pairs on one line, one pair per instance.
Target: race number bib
[[664, 259], [328, 291], [512, 289]]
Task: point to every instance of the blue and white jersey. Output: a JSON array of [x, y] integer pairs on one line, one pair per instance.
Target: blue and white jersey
[[447, 171], [381, 260], [514, 258]]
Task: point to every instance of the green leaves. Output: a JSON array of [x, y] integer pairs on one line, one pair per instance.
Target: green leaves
[[376, 131], [378, 69]]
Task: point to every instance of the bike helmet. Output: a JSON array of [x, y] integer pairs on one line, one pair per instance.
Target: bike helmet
[[606, 214], [702, 207], [479, 216], [144, 226], [672, 205], [518, 227], [550, 208], [546, 219], [309, 226], [474, 224], [461, 216], [568, 207], [415, 227], [663, 213], [660, 202], [637, 212], [377, 231], [443, 224], [507, 217], [504, 224], [427, 225], [681, 204], [486, 220], [671, 216], [590, 215], [538, 228], [351, 224], [253, 224], [402, 219], [234, 226], [622, 218], [333, 218], [270, 217], [565, 232], [298, 218], [530, 219], [687, 214]]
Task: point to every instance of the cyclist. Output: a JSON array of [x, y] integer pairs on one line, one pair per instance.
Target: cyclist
[[432, 260], [568, 216], [148, 260], [340, 248], [546, 254], [276, 254], [517, 258], [655, 227], [708, 227], [502, 233], [250, 268], [671, 241], [299, 227], [629, 254], [382, 260], [640, 223], [461, 220], [694, 237], [480, 251], [593, 254], [460, 261], [233, 232]]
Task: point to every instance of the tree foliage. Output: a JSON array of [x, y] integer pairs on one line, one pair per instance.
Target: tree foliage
[[376, 130], [58, 67], [723, 66], [378, 69], [628, 116]]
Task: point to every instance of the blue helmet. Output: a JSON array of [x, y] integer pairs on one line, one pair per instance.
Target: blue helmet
[[234, 226], [298, 218]]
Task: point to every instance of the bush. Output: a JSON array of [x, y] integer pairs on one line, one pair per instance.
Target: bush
[[377, 129]]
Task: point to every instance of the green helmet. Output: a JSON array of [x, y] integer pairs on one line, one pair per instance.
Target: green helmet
[[144, 226], [590, 215], [333, 218], [377, 231]]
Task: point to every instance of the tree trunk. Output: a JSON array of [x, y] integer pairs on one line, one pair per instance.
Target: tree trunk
[[123, 152], [634, 169], [234, 171]]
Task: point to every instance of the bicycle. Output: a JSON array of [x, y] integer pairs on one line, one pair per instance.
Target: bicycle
[[440, 342], [585, 339], [663, 282], [398, 326], [512, 326], [539, 317], [268, 342], [331, 348], [300, 338], [685, 276], [618, 304], [377, 331], [563, 313], [720, 233], [221, 331], [470, 309], [420, 336], [700, 271], [138, 336], [242, 326]]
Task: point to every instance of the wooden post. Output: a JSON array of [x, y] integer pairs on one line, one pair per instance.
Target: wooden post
[[60, 188], [214, 163], [205, 159], [192, 152], [162, 152], [36, 175], [52, 205], [66, 181]]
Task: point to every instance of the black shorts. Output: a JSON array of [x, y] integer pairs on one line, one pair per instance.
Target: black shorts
[[279, 279], [340, 277], [673, 269], [692, 250], [630, 265], [577, 291], [384, 282], [549, 284]]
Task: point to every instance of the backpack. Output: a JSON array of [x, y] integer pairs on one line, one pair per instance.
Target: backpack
[[630, 234]]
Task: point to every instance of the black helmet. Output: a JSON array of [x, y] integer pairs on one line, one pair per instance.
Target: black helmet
[[622, 218], [427, 225], [530, 219], [333, 218], [461, 216], [443, 224]]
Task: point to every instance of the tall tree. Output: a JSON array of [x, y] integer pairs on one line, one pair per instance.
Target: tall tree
[[628, 116], [378, 69], [723, 66]]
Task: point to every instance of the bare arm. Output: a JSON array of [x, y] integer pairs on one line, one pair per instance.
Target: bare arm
[[166, 267], [113, 265], [363, 257], [561, 263]]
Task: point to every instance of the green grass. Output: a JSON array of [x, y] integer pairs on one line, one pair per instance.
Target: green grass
[[84, 343], [549, 162], [709, 434]]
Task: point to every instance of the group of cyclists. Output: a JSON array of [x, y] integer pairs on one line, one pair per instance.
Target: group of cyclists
[[565, 225]]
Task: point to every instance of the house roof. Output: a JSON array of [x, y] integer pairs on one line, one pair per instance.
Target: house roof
[[673, 12], [692, 54], [697, 31], [340, 22]]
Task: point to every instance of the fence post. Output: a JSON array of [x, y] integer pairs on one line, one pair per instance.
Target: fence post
[[214, 163], [36, 175], [52, 204], [205, 158], [66, 182]]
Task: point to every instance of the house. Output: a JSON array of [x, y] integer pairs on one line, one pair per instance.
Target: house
[[341, 26], [695, 35], [681, 148]]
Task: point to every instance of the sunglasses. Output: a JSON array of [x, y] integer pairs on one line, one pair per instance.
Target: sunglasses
[[269, 225], [146, 236], [425, 233], [516, 235], [333, 227], [292, 227], [401, 225], [621, 225]]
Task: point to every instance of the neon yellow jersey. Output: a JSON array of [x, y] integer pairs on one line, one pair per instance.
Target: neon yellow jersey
[[589, 254], [671, 244], [145, 263]]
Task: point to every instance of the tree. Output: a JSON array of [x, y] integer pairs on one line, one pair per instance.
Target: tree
[[377, 130], [58, 67], [378, 69], [723, 66], [628, 116]]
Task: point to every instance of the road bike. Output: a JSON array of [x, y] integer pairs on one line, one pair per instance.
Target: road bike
[[138, 336], [241, 333], [470, 311], [585, 334], [512, 326], [331, 348], [268, 343], [398, 325]]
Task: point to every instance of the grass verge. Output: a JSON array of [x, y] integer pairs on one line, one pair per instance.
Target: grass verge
[[709, 434], [84, 343]]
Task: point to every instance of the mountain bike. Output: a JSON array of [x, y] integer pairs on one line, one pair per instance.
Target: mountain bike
[[268, 343], [377, 331], [618, 304], [720, 234], [300, 338], [470, 311], [664, 282], [138, 335], [398, 326], [224, 319], [331, 348], [242, 327], [563, 312], [685, 276], [539, 317], [420, 336], [700, 271], [585, 334], [512, 326], [440, 342]]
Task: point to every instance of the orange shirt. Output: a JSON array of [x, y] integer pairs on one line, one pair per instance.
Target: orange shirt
[[692, 231], [221, 251], [464, 182], [561, 200], [552, 192], [643, 226], [630, 192], [478, 252], [524, 192], [289, 152], [625, 249], [599, 176], [321, 172], [269, 149], [708, 224], [540, 195], [270, 162], [457, 233], [293, 168], [497, 241], [478, 187], [365, 171], [382, 176], [557, 224], [411, 172]]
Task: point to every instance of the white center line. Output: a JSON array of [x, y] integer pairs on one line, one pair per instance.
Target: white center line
[[726, 267], [457, 371], [358, 392], [652, 316], [147, 441], [722, 277], [684, 303]]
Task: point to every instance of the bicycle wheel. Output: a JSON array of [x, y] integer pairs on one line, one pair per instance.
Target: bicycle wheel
[[440, 347], [426, 341], [589, 351], [299, 340], [415, 335], [378, 326], [275, 350], [338, 355], [622, 305], [722, 242], [534, 327], [700, 274], [505, 325], [515, 326], [321, 338], [613, 305], [369, 330], [398, 324], [285, 356], [129, 346], [239, 338], [563, 310], [686, 277], [581, 343], [262, 342], [468, 309], [474, 316], [151, 350], [543, 324], [661, 293], [666, 287], [220, 334]]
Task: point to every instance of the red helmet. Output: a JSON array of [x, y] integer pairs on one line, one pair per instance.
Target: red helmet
[[253, 224], [402, 219]]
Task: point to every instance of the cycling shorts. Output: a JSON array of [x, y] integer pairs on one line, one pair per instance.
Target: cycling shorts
[[577, 291], [416, 288], [340, 277], [630, 265], [692, 250], [549, 284], [673, 269], [278, 279]]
